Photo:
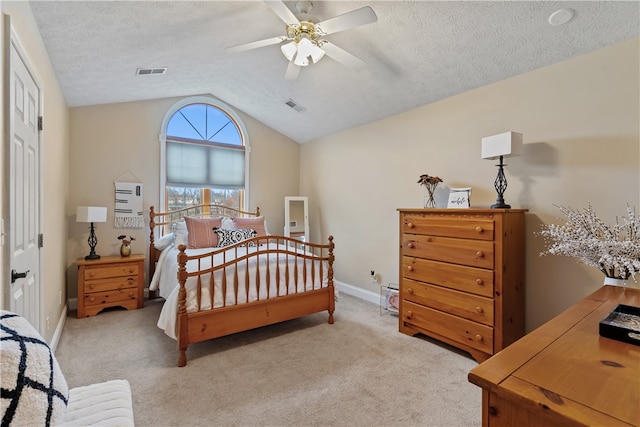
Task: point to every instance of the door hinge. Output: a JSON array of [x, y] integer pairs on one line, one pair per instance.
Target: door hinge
[[40, 240], [40, 123]]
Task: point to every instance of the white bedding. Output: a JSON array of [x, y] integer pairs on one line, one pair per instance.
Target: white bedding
[[165, 280]]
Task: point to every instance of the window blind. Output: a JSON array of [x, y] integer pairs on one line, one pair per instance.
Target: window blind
[[205, 165]]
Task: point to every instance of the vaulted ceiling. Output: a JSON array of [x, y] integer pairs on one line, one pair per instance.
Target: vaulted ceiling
[[417, 52]]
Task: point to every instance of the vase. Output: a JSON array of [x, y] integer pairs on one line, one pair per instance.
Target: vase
[[125, 250], [625, 283], [429, 200]]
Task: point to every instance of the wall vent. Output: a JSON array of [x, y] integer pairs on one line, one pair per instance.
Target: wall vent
[[150, 71], [293, 104]]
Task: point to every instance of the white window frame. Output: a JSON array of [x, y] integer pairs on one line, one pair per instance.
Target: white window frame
[[163, 140]]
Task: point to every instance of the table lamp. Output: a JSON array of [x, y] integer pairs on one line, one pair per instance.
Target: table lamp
[[498, 146], [91, 214]]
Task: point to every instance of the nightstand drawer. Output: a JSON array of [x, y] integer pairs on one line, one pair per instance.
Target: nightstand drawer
[[108, 297], [471, 307], [455, 328], [116, 283], [115, 270], [466, 228], [467, 279], [474, 253]]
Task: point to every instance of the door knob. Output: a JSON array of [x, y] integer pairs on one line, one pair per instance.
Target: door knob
[[15, 275]]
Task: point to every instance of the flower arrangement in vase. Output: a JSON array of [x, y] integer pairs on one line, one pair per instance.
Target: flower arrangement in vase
[[614, 250], [125, 247], [430, 183]]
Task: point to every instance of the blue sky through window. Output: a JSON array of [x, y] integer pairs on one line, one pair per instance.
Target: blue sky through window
[[205, 123]]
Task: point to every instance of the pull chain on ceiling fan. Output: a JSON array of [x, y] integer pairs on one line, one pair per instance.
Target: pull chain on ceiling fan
[[306, 44]]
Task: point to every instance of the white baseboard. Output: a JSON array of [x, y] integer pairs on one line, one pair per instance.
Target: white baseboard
[[357, 292], [58, 332]]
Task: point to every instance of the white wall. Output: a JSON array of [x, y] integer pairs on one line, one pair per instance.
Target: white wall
[[55, 143], [581, 123]]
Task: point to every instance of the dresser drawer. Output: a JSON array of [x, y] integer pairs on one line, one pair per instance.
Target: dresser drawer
[[107, 297], [115, 270], [474, 335], [468, 279], [474, 253], [113, 283], [472, 307], [480, 228]]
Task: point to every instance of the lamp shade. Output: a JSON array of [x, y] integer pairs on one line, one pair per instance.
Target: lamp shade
[[505, 144], [91, 214]]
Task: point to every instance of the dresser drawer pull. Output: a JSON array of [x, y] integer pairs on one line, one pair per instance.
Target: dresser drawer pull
[[480, 254], [130, 279], [479, 338], [410, 291], [479, 229], [409, 225], [410, 245], [91, 299], [92, 286], [409, 314], [132, 270], [479, 310], [91, 274], [410, 268], [479, 282], [131, 294]]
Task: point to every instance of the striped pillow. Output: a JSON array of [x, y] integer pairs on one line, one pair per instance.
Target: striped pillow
[[201, 234], [257, 223]]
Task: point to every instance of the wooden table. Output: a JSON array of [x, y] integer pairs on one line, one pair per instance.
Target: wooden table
[[564, 373]]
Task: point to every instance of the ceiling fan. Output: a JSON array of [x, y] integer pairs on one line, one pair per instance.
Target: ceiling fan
[[306, 43]]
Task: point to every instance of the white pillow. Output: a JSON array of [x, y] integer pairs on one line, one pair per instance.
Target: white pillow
[[181, 234], [165, 241], [228, 224]]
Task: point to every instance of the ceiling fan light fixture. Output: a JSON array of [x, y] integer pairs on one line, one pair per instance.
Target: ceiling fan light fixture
[[316, 53], [289, 50]]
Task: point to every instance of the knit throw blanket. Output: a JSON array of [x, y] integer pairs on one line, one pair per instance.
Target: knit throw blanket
[[32, 387], [128, 212]]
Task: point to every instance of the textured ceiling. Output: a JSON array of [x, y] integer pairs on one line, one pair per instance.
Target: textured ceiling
[[416, 53]]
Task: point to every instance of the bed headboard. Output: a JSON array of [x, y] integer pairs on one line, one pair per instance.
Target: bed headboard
[[164, 220]]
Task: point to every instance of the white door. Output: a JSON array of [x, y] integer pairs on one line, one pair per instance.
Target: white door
[[24, 191]]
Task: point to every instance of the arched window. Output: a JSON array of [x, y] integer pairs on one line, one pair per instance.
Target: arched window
[[204, 157]]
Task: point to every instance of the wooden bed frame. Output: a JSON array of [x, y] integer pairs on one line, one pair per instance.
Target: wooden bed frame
[[203, 325]]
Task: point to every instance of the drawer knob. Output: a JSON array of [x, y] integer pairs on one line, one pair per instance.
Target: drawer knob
[[92, 299], [410, 245], [479, 282], [131, 270], [409, 314], [479, 229], [409, 225], [410, 291], [91, 274], [479, 338], [480, 254], [410, 268], [479, 310], [131, 294], [92, 286], [130, 279]]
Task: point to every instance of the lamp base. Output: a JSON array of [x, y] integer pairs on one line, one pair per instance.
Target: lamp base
[[500, 206], [92, 256]]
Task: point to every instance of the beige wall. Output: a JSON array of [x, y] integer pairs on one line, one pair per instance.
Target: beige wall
[[120, 142], [580, 120], [55, 144]]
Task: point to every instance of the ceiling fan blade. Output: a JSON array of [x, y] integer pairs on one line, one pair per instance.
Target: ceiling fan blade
[[283, 12], [257, 44], [355, 18], [292, 71], [342, 56]]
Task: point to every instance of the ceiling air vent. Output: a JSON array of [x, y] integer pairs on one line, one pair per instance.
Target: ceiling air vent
[[150, 71], [293, 104]]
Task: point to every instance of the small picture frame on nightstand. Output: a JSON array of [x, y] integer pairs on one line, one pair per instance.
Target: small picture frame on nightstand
[[459, 198]]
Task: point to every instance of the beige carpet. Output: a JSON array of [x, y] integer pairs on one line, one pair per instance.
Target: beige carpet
[[359, 371]]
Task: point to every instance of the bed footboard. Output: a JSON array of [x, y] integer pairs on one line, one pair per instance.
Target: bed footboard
[[258, 282]]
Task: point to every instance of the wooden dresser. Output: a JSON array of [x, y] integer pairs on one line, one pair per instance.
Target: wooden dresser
[[564, 373], [110, 281], [462, 277]]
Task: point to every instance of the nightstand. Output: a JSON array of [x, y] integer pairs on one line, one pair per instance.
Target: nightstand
[[110, 281]]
